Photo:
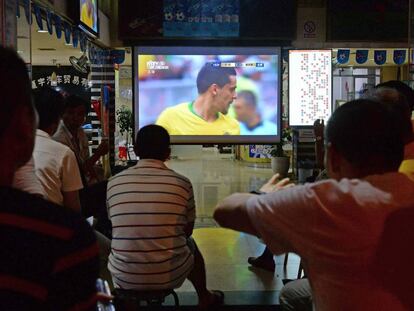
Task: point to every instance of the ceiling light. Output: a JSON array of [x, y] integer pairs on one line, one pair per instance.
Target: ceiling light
[[42, 31]]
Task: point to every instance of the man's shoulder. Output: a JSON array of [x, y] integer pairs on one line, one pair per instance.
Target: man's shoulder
[[137, 170], [36, 209], [180, 108], [58, 147]]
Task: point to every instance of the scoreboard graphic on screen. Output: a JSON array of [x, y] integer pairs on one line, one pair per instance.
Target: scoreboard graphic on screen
[[310, 86]]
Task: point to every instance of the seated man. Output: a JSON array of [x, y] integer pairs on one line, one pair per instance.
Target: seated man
[[55, 164], [207, 114], [297, 295], [335, 225], [152, 212], [71, 134], [49, 254]]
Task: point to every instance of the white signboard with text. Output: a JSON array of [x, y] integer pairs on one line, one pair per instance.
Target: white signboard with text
[[310, 86]]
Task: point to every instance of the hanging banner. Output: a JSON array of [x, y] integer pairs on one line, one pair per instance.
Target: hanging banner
[[118, 56], [49, 21], [58, 26], [38, 15], [343, 56], [92, 53], [380, 57], [28, 11], [75, 37], [82, 41], [361, 56], [399, 56], [68, 30]]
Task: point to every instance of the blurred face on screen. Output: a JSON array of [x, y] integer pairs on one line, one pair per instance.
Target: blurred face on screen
[[242, 110], [226, 95]]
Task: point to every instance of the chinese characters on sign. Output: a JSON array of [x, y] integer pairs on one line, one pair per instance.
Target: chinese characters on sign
[[65, 79]]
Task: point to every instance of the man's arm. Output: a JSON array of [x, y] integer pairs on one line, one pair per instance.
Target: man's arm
[[232, 213], [71, 200]]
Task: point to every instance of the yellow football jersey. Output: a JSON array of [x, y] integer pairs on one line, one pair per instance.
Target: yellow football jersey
[[181, 120]]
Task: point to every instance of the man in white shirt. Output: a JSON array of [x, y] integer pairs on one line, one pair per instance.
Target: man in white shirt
[[335, 225], [71, 134], [55, 164]]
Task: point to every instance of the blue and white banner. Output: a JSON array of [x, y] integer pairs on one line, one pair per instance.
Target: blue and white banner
[[380, 57], [343, 56], [361, 56], [118, 56], [38, 15], [82, 41], [68, 30], [75, 37], [49, 21], [28, 11], [58, 26], [399, 56]]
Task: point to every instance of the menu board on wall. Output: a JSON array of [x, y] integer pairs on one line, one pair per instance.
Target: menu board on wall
[[310, 86]]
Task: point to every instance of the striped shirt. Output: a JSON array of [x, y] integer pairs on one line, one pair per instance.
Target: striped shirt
[[149, 206], [48, 256]]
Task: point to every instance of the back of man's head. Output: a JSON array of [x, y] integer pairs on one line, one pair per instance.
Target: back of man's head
[[210, 74], [402, 88], [15, 86], [49, 106], [152, 142], [397, 103], [367, 135], [17, 115], [74, 101]]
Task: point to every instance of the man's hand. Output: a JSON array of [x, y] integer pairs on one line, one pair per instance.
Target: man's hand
[[274, 184], [318, 127], [102, 149]]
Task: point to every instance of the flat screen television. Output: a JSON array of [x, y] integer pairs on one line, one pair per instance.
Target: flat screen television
[[310, 86], [208, 95], [88, 16]]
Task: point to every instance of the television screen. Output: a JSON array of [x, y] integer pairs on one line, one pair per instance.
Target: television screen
[[209, 94], [88, 10], [310, 86]]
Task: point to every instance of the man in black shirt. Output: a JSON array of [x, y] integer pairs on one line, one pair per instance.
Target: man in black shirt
[[49, 255]]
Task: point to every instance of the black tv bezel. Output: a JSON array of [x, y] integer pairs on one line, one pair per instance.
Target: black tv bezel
[[217, 139]]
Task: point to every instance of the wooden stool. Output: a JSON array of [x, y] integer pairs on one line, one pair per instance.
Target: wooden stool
[[151, 297]]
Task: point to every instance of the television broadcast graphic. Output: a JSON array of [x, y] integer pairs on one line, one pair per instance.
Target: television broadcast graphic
[[209, 94], [89, 14], [310, 86]]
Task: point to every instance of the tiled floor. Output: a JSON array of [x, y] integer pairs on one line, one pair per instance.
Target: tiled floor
[[214, 176]]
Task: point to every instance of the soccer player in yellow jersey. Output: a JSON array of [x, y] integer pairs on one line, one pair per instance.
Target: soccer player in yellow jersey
[[207, 114]]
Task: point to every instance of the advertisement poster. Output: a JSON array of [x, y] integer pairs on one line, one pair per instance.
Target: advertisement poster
[[260, 151], [201, 18]]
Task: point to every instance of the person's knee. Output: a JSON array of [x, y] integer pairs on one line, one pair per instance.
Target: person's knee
[[296, 295]]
